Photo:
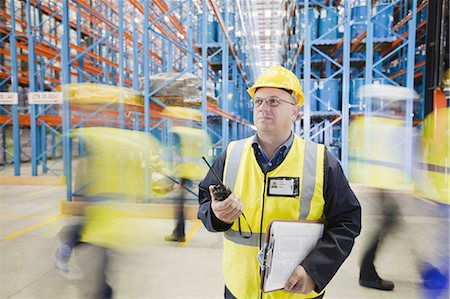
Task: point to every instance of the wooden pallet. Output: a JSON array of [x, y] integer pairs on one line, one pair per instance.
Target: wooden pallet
[[33, 180], [150, 210], [181, 101]]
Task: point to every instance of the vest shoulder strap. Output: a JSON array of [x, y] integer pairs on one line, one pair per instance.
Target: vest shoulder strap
[[309, 177], [234, 159]]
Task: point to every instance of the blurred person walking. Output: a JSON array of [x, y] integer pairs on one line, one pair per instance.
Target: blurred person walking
[[378, 149], [189, 145], [432, 183], [105, 179]]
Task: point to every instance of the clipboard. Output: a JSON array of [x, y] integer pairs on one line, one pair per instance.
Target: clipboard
[[287, 244]]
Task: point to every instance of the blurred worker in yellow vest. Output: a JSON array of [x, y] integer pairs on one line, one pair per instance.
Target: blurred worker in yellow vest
[[432, 176], [378, 150], [112, 174], [432, 182], [189, 145]]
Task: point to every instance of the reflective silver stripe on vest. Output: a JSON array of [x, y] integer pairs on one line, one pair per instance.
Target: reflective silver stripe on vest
[[234, 158], [235, 237], [309, 178]]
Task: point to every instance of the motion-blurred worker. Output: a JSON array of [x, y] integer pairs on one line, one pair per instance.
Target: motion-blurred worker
[[378, 146], [189, 145], [432, 182], [315, 188], [111, 174]]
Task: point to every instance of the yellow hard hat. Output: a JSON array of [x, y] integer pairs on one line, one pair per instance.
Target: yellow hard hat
[[279, 77]]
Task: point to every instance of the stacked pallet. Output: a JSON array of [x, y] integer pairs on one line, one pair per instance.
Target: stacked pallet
[[174, 89]]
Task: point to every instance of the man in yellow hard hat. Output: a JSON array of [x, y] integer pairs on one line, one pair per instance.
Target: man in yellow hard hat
[[314, 188]]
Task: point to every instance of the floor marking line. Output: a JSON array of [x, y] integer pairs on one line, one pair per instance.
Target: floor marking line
[[191, 233], [15, 216], [33, 227], [38, 192]]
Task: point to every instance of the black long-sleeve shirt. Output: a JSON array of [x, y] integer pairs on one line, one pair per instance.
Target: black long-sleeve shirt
[[342, 212]]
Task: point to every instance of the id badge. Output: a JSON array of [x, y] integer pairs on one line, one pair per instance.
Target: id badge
[[283, 186]]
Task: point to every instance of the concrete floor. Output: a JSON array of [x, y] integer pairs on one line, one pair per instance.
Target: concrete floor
[[30, 222]]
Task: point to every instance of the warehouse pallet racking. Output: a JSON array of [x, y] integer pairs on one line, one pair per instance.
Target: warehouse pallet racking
[[45, 43], [351, 43], [123, 45]]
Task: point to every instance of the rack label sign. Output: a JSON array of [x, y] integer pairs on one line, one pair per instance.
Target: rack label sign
[[9, 98], [45, 97]]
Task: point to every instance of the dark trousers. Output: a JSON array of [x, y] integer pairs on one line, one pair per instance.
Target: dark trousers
[[104, 290], [390, 219], [179, 230], [70, 235]]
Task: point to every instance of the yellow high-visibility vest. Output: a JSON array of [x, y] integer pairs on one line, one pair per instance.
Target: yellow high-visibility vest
[[244, 176], [377, 151], [432, 177], [117, 163], [194, 143]]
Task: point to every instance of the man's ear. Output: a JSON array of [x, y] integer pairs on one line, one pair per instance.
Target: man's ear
[[295, 111]]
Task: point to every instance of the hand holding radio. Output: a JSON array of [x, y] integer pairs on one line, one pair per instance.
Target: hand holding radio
[[221, 192], [225, 205], [227, 210]]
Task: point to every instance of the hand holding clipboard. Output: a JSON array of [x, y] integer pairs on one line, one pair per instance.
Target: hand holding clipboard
[[288, 243]]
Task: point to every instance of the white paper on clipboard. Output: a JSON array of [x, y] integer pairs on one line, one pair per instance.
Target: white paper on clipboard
[[288, 244]]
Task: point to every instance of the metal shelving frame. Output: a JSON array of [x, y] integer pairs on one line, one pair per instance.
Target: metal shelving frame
[[344, 60], [10, 80], [122, 44], [318, 125]]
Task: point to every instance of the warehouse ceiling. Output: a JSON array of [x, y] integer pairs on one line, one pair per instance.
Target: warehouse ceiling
[[262, 28], [268, 19]]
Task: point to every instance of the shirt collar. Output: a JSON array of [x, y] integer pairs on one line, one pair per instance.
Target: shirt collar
[[286, 145]]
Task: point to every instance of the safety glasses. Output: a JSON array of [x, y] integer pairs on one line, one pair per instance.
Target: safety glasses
[[270, 101]]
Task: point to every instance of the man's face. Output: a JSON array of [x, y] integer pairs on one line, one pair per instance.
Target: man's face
[[276, 119]]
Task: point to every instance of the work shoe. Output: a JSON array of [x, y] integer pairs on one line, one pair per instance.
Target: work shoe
[[174, 238], [380, 284]]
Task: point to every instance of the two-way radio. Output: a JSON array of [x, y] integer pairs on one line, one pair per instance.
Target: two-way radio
[[221, 192]]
